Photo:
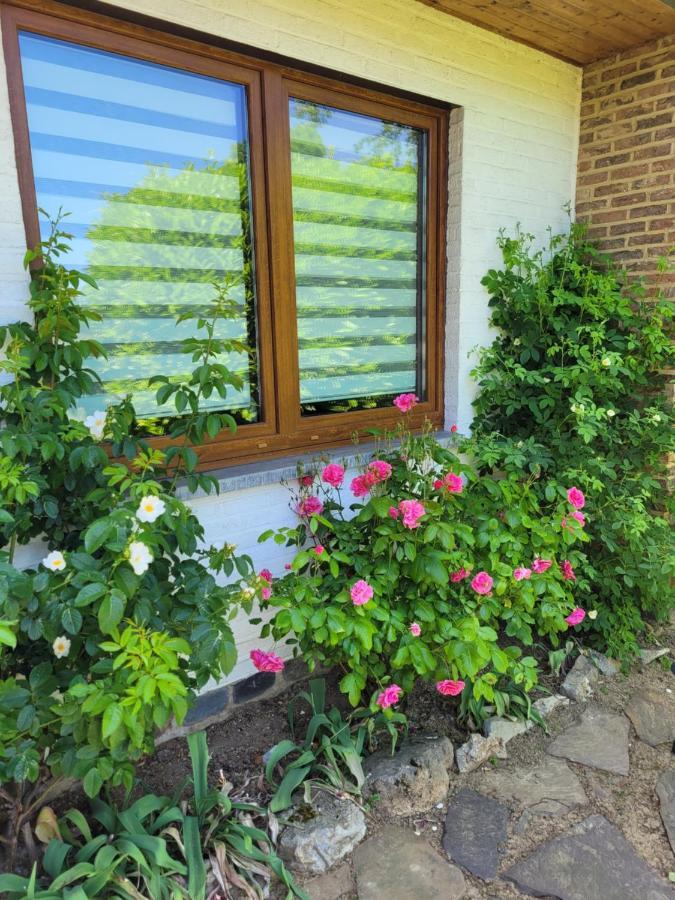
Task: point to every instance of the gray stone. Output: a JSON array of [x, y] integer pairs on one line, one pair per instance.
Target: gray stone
[[598, 739], [318, 837], [413, 779], [652, 712], [546, 705], [550, 788], [475, 829], [591, 860], [398, 865], [578, 685], [330, 885], [478, 750], [505, 728], [649, 655], [665, 789], [608, 667]]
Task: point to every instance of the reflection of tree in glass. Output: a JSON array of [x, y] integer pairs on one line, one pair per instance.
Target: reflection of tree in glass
[[180, 233]]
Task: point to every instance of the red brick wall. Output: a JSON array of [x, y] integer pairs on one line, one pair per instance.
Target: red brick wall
[[626, 173]]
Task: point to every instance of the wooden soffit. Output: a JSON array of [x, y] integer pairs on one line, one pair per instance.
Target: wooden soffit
[[578, 31]]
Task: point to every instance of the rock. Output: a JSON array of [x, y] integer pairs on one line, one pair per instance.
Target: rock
[[665, 789], [608, 667], [550, 788], [546, 705], [591, 860], [505, 728], [331, 885], [648, 656], [413, 779], [478, 750], [475, 829], [652, 712], [578, 685], [315, 843], [398, 865], [598, 739]]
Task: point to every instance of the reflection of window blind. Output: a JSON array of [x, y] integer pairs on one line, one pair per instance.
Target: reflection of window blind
[[357, 259], [150, 162]]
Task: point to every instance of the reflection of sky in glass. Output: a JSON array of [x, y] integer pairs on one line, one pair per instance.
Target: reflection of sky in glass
[[355, 205], [148, 162]]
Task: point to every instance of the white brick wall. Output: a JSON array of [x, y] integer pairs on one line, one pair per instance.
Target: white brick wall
[[513, 160]]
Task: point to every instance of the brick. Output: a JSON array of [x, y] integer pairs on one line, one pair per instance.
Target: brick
[[629, 199], [629, 171], [655, 59], [587, 109], [663, 134], [626, 255], [668, 72], [593, 178], [653, 121], [614, 160], [666, 102], [614, 215], [656, 90], [664, 194], [663, 165], [597, 232], [642, 78], [617, 129], [594, 204], [635, 140], [612, 244], [628, 228], [631, 112], [614, 74], [653, 151], [641, 212], [639, 239], [617, 100], [650, 181], [607, 190]]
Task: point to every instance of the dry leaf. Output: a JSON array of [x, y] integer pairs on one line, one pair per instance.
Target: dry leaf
[[47, 825]]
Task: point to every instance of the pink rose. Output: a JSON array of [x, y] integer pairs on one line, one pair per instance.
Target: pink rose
[[333, 474], [453, 429], [540, 565], [580, 517], [362, 484], [482, 583], [266, 575], [405, 402], [459, 575], [361, 592], [577, 615], [380, 469], [288, 567], [393, 512], [266, 593], [415, 629], [306, 480], [310, 506], [449, 688], [522, 573], [438, 484], [319, 549], [412, 511], [567, 571], [266, 662], [576, 498], [389, 696]]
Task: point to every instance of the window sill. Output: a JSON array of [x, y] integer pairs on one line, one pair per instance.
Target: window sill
[[283, 468]]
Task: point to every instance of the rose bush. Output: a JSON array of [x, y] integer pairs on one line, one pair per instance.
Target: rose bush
[[124, 619], [572, 392], [418, 568]]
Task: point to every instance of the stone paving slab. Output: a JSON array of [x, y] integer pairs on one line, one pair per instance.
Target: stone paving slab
[[652, 713], [599, 739], [475, 830], [398, 865], [592, 861], [549, 788], [665, 789]]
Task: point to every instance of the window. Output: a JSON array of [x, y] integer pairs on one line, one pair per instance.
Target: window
[[182, 167]]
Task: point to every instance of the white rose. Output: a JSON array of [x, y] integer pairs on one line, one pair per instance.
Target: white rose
[[607, 362], [61, 647], [656, 419], [54, 561], [150, 508], [140, 557], [96, 424], [592, 614], [611, 413]]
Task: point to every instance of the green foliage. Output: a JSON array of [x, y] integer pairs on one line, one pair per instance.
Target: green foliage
[[494, 525], [573, 393], [125, 620], [155, 848]]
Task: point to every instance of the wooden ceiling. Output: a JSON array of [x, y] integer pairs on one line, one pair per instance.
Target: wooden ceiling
[[578, 31]]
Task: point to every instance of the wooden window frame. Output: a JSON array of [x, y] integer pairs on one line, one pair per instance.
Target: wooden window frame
[[281, 429]]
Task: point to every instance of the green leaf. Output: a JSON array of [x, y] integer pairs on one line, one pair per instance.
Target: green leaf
[[97, 534], [71, 619], [92, 783], [112, 719], [89, 593], [7, 636], [111, 611], [194, 856]]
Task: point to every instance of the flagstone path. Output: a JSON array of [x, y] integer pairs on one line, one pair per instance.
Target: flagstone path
[[586, 812]]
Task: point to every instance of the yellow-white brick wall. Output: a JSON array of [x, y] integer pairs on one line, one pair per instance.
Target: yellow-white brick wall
[[513, 160]]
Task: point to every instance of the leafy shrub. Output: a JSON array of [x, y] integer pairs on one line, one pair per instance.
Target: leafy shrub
[[572, 392], [432, 575], [155, 848], [124, 620]]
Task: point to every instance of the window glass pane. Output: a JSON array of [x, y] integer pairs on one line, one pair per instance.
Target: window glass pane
[[151, 163], [359, 226]]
